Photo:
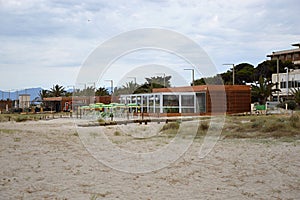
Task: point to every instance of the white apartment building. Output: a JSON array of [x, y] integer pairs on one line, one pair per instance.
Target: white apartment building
[[287, 82]]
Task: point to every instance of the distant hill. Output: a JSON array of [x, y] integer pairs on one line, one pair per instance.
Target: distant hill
[[33, 92]]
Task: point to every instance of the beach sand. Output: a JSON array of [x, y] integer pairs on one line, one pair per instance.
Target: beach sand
[[47, 160]]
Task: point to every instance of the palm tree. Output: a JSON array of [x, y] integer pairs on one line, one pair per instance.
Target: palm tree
[[296, 94], [129, 87], [263, 89], [160, 81], [101, 92], [44, 94], [89, 91], [57, 91]]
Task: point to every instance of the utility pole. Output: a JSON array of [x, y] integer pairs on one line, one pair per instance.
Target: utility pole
[[232, 72], [111, 86], [287, 81], [193, 76], [277, 63]]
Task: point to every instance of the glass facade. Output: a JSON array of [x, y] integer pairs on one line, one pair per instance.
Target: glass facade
[[181, 102]]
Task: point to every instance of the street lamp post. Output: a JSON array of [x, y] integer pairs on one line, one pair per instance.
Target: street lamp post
[[111, 85], [193, 75], [287, 81], [232, 72], [277, 86]]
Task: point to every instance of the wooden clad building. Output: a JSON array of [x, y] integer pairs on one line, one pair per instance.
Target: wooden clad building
[[202, 99]]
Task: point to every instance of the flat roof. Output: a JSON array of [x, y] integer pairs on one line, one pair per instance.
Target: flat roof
[[201, 88], [277, 53]]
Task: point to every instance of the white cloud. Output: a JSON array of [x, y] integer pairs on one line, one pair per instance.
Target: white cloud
[[38, 34]]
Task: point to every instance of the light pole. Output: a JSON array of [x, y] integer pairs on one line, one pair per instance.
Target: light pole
[[232, 71], [111, 85], [277, 85], [287, 81], [193, 75]]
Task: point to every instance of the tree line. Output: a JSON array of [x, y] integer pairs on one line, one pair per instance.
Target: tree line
[[60, 91], [259, 77], [247, 73]]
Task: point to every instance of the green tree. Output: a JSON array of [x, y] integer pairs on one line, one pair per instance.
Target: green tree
[[44, 94], [269, 67], [262, 90], [215, 80], [89, 91], [57, 91], [153, 82], [101, 92], [159, 81], [296, 94], [130, 87], [244, 73]]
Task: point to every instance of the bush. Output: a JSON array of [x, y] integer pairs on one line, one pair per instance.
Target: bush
[[291, 105], [172, 125], [117, 133], [21, 119], [204, 126]]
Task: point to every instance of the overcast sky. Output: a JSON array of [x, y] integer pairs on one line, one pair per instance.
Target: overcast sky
[[45, 42]]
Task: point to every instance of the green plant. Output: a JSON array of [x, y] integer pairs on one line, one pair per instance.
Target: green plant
[[101, 120], [291, 104], [117, 133], [21, 119], [296, 94], [172, 125], [204, 126], [262, 90]]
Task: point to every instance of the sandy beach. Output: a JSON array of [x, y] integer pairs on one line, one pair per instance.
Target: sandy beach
[[47, 159]]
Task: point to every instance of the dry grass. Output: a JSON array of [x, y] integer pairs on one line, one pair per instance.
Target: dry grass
[[31, 116], [171, 126], [275, 126]]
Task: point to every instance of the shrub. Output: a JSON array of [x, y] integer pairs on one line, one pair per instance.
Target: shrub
[[21, 119], [204, 126], [291, 105], [117, 133], [172, 125]]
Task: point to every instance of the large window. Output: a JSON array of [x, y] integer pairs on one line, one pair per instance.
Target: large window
[[171, 103], [201, 102], [187, 103]]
